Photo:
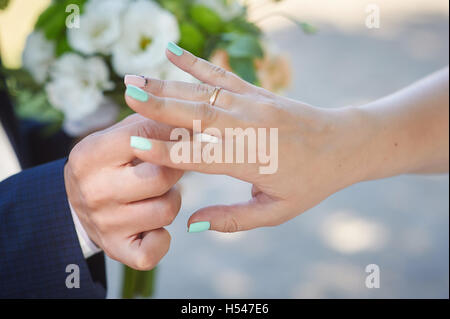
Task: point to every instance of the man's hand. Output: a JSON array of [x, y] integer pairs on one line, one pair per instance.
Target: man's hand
[[123, 203]]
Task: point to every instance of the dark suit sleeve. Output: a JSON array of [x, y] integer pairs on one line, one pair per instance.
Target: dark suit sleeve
[[38, 238]]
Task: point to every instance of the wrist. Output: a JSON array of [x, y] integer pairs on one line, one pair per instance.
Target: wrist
[[380, 154], [358, 135], [88, 247], [88, 244]]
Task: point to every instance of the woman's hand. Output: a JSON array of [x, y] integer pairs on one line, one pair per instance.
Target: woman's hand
[[123, 203], [320, 151]]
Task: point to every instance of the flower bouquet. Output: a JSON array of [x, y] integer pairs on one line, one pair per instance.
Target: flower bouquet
[[76, 57]]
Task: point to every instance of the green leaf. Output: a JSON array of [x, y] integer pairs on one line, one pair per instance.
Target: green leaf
[[55, 26], [306, 27], [37, 107], [243, 46], [62, 46], [47, 15], [244, 67], [124, 112], [242, 25], [3, 4], [18, 79], [191, 39], [53, 20], [178, 7], [212, 43], [206, 19], [79, 3]]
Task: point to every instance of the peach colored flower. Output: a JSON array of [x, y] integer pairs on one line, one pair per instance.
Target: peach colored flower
[[220, 58], [273, 71]]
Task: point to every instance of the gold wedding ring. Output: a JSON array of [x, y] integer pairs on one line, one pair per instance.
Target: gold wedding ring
[[214, 95]]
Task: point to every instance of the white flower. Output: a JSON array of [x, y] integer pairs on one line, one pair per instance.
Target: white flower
[[105, 115], [38, 55], [99, 27], [173, 73], [77, 85], [226, 9], [146, 30]]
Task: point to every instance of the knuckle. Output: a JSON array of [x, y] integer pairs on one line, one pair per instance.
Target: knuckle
[[145, 130], [76, 160], [193, 63], [160, 154], [145, 261], [110, 252], [206, 113], [218, 72], [167, 241], [270, 110], [93, 196], [231, 225], [168, 219], [269, 105], [160, 87], [90, 200], [163, 181], [170, 209], [202, 89], [262, 92], [82, 154], [101, 223]]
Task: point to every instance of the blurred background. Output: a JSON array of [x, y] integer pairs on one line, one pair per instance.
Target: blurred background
[[401, 224]]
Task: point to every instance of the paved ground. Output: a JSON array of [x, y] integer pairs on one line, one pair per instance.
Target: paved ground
[[400, 224]]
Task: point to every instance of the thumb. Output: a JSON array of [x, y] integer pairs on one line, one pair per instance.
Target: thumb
[[236, 217]]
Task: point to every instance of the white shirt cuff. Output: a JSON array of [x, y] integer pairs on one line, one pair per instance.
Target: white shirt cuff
[[87, 245]]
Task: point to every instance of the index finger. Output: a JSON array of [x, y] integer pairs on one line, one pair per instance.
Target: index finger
[[206, 71], [176, 112], [113, 145]]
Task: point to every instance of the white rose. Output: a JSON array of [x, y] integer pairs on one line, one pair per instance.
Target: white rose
[[38, 55], [105, 115], [226, 9], [146, 30], [168, 71], [77, 85], [99, 28]]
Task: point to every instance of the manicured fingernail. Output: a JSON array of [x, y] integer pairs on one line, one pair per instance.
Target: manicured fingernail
[[175, 49], [136, 93], [135, 80], [140, 143], [199, 227]]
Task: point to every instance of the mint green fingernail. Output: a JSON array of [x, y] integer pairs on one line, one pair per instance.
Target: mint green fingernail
[[140, 143], [199, 227], [175, 49], [136, 93]]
